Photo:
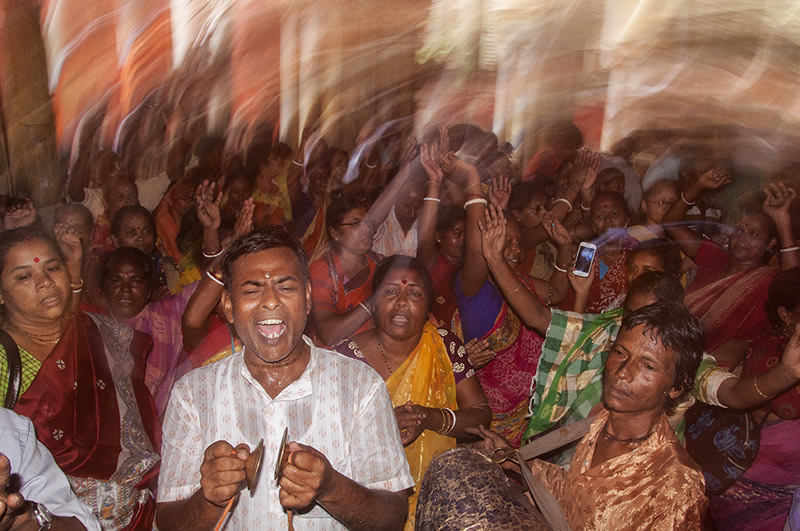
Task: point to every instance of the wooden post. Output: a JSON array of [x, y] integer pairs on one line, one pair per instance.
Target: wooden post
[[27, 113]]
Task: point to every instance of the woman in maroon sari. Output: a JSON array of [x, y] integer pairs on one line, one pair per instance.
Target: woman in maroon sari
[[82, 383], [761, 498], [730, 289]]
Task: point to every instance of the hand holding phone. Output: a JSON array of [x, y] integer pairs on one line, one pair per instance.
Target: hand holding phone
[[585, 259]]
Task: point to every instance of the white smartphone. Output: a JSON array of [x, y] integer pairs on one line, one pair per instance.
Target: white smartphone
[[585, 258]]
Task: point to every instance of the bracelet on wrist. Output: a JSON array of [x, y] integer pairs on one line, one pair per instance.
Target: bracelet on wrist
[[475, 202], [216, 277], [688, 203], [790, 249], [297, 163], [755, 384], [76, 288], [558, 268], [436, 199], [565, 201], [214, 254], [366, 308], [585, 208]]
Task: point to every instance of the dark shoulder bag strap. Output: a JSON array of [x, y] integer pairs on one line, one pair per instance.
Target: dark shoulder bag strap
[[14, 369]]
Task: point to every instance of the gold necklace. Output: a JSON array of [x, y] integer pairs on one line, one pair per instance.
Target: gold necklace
[[35, 337]]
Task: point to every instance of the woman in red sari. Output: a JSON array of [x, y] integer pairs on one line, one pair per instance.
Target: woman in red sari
[[730, 289], [82, 383], [341, 281], [484, 314]]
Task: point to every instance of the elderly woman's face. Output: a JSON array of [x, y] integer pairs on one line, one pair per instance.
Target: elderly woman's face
[[608, 214], [401, 304], [34, 283]]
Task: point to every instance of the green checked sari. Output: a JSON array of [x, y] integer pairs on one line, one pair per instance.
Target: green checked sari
[[569, 379]]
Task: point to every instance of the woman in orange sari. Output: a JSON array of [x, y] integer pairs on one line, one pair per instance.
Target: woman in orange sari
[[341, 281], [176, 202], [427, 371], [729, 292]]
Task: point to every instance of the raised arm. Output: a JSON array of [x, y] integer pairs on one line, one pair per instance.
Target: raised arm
[[426, 230], [687, 240], [777, 206], [475, 271], [72, 248], [198, 311], [527, 305]]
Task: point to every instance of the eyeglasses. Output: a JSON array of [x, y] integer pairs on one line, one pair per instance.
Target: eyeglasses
[[661, 203], [356, 224]]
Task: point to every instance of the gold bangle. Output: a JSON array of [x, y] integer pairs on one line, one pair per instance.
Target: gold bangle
[[444, 420], [755, 384], [76, 287], [472, 185]]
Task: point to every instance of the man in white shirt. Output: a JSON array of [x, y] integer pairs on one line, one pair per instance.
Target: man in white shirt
[[347, 467], [398, 233], [42, 491]]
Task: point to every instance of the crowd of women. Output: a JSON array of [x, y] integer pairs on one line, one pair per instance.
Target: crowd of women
[[438, 262]]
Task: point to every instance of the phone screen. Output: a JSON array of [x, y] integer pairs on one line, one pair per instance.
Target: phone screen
[[583, 262]]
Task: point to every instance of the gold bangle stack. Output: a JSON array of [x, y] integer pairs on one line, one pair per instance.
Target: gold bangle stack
[[448, 420]]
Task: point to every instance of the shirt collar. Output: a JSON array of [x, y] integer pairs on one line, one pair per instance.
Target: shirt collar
[[300, 388]]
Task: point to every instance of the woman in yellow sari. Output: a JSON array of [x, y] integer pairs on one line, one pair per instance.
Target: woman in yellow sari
[[430, 379]]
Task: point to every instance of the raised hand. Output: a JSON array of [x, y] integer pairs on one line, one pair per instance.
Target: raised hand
[[19, 214], [454, 167], [500, 192], [582, 285], [555, 230], [408, 151], [713, 179], [222, 472], [444, 139], [778, 201], [244, 219], [479, 353], [208, 205], [429, 157], [69, 242], [493, 234]]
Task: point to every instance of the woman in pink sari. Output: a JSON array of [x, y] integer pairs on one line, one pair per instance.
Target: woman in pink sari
[[484, 314], [730, 289]]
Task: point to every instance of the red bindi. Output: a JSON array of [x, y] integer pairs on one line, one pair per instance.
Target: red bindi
[[405, 281], [35, 259]]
